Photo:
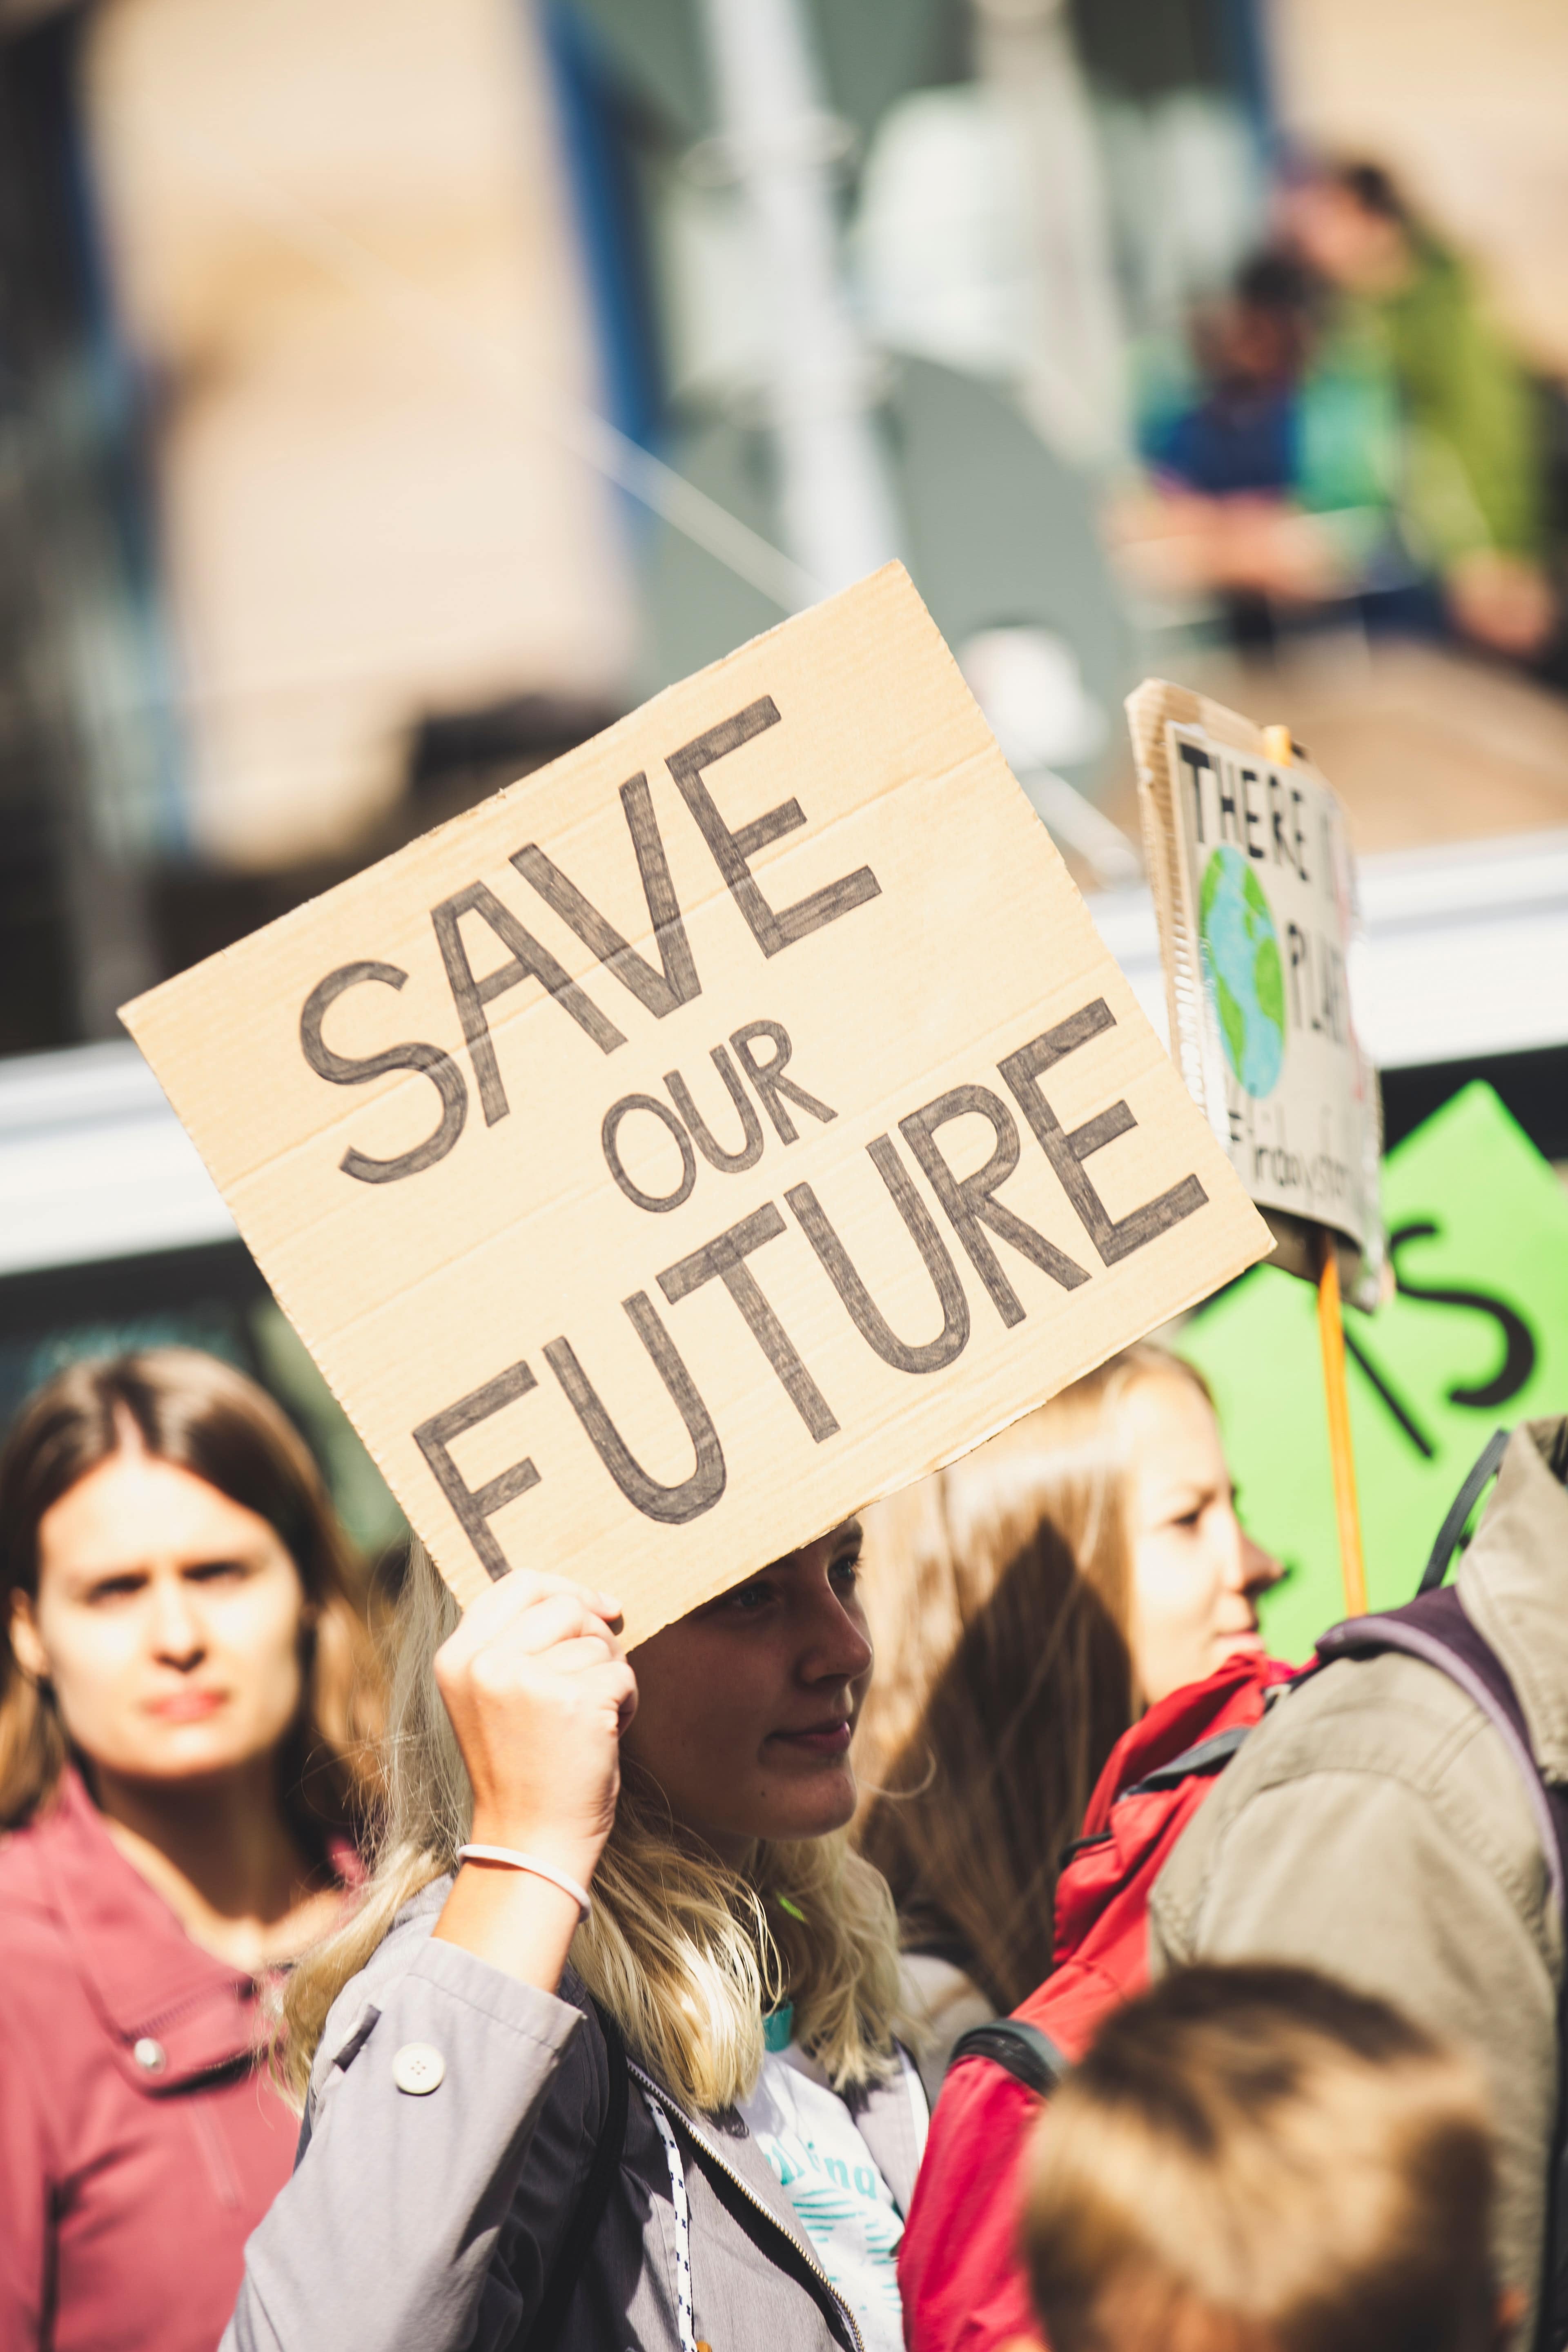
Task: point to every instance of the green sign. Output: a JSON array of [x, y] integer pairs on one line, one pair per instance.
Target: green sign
[[1475, 1339]]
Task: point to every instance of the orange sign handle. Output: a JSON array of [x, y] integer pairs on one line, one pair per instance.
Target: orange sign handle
[[1331, 1338]]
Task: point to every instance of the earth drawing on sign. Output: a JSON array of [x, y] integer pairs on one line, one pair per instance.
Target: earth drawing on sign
[[1241, 963]]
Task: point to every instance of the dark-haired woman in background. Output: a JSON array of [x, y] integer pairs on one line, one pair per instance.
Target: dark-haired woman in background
[[186, 1692]]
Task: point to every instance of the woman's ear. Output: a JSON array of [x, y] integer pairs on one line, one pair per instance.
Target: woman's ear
[[26, 1648]]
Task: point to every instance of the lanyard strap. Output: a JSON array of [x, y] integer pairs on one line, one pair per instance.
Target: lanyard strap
[[683, 2225]]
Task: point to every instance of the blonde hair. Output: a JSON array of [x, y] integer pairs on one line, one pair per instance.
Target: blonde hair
[[999, 1597], [1259, 2157], [683, 1953], [203, 1417]]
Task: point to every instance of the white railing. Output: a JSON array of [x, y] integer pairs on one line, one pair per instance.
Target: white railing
[[1465, 954]]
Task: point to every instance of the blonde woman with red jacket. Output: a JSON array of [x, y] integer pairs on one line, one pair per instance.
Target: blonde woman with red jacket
[[608, 2056]]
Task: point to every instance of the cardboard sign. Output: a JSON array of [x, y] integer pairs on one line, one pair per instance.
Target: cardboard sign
[[1475, 1338], [1253, 892], [711, 1132]]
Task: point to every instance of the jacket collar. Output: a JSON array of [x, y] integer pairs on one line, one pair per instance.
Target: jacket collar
[[1513, 1582], [150, 1984]]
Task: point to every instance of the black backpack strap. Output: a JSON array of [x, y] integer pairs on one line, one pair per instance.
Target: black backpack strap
[[549, 2319], [1205, 1757], [1211, 1755], [1030, 2057], [1487, 1466], [1435, 1628]]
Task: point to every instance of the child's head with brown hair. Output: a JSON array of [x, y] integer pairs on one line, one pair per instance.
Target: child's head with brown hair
[[1258, 2159]]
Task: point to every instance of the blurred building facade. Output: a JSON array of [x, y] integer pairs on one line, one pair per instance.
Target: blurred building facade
[[391, 393]]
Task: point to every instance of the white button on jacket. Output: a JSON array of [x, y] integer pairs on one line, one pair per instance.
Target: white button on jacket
[[418, 2068]]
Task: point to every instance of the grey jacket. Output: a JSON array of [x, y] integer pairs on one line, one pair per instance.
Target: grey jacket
[[1374, 1826], [415, 2222]]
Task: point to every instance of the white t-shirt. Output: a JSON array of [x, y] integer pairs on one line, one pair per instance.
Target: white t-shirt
[[831, 2179]]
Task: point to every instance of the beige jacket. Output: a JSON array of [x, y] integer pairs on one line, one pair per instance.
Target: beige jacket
[[1374, 1826]]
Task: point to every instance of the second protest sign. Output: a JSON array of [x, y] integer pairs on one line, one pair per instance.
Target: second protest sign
[[708, 1134], [1254, 890]]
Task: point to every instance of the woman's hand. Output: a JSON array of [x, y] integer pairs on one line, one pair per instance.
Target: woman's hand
[[539, 1692]]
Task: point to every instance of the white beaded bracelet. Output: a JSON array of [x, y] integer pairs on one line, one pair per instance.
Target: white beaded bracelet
[[511, 1859]]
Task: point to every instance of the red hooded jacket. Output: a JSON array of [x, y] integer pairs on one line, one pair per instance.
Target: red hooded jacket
[[139, 2142], [959, 2271]]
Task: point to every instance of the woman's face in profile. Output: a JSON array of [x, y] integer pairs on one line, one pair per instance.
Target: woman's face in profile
[[746, 1708], [168, 1621], [1196, 1572]]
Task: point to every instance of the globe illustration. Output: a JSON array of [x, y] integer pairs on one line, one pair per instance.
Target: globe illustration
[[1241, 963]]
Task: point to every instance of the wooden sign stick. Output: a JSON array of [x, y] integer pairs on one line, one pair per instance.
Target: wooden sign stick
[[1332, 1340]]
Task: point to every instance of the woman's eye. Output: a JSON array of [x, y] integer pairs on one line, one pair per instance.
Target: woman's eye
[[215, 1571], [114, 1588], [848, 1569], [748, 1598]]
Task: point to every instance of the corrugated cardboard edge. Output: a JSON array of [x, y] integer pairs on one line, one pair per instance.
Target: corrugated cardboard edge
[[1150, 710]]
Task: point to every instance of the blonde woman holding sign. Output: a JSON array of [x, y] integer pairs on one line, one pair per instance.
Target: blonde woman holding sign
[[699, 2129]]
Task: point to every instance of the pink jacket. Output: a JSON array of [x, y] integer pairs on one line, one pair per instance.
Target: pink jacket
[[140, 2142]]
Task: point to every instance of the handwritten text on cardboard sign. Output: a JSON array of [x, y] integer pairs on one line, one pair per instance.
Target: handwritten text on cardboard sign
[[775, 1059]]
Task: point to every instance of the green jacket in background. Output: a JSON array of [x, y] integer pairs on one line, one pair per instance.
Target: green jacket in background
[[1375, 1826], [1472, 467]]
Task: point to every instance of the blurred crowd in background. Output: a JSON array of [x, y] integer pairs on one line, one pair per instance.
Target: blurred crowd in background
[[391, 395], [1355, 425]]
